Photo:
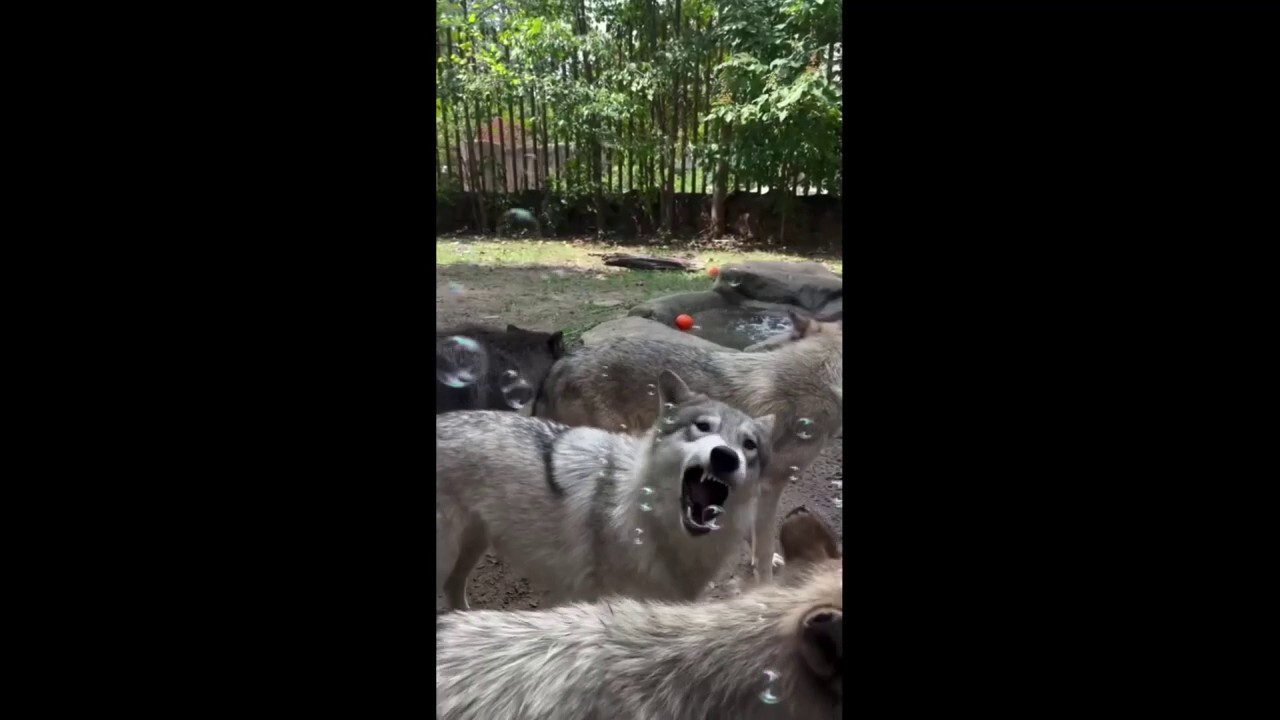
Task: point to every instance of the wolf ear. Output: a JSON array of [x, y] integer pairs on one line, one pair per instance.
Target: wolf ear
[[799, 322], [767, 425], [822, 642], [672, 389], [556, 343]]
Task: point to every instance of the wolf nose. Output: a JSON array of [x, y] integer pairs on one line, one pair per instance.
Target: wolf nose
[[723, 460]]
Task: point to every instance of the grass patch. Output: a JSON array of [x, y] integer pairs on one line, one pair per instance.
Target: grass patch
[[567, 253], [561, 284]]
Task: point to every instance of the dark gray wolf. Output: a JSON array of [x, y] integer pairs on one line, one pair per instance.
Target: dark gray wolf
[[589, 513], [800, 382], [519, 218], [775, 652], [480, 368]]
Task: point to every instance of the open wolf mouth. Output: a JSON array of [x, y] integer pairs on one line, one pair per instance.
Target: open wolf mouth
[[702, 499]]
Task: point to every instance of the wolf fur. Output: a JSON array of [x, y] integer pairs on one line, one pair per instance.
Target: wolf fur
[[564, 506], [608, 386], [515, 358], [630, 659]]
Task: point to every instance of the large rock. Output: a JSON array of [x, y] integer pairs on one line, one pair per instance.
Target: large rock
[[640, 327], [810, 286]]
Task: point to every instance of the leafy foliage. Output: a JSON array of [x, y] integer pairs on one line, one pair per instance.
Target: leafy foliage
[[621, 76]]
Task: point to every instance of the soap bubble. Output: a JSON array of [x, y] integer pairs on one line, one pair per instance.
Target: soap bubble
[[646, 490], [459, 361], [638, 539], [646, 507], [710, 514], [516, 390], [771, 695], [804, 428], [668, 406]]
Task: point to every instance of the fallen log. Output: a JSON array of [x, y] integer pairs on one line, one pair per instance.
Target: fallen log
[[644, 262]]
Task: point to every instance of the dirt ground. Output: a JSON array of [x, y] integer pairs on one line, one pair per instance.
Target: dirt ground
[[549, 299]]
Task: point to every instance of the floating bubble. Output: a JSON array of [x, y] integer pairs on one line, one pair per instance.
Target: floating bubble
[[459, 361], [604, 375], [838, 501], [804, 428], [646, 490], [735, 283], [710, 514], [646, 507], [669, 420], [771, 695], [515, 390], [622, 425], [668, 406], [651, 393], [638, 539], [650, 386]]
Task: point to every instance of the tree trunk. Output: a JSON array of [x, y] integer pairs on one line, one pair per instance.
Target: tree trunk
[[720, 188]]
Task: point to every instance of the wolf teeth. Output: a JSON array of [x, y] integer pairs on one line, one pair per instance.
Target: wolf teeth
[[712, 478]]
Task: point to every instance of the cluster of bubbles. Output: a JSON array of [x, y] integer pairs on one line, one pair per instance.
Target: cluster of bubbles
[[645, 506], [771, 695], [804, 428], [460, 361], [711, 514], [516, 391]]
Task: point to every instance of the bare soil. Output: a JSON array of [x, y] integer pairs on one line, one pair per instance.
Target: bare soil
[[498, 296]]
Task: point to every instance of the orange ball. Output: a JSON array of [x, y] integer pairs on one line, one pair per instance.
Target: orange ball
[[713, 271], [684, 322]]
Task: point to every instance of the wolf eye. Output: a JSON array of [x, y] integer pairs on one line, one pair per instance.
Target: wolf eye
[[703, 426], [749, 444]]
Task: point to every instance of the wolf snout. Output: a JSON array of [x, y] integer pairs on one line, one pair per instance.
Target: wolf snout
[[724, 461]]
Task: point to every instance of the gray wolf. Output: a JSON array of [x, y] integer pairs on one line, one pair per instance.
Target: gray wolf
[[800, 382], [589, 513], [774, 652], [480, 368]]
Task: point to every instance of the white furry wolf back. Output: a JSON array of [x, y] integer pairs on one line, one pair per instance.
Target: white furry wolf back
[[626, 659]]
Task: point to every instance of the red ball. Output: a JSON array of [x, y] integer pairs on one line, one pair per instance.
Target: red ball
[[684, 322], [713, 271]]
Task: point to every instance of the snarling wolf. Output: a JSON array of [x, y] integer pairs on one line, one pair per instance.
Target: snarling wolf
[[589, 513]]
